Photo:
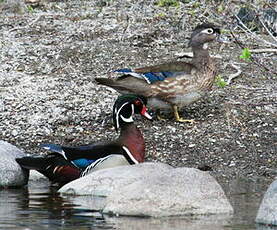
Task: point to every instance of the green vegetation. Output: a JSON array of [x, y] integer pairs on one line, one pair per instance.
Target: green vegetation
[[166, 3], [30, 9], [245, 54], [160, 15], [220, 82]]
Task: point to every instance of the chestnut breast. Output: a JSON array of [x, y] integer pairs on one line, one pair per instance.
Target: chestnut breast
[[132, 138]]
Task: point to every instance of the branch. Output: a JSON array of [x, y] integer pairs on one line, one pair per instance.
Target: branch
[[261, 21], [28, 25], [248, 31], [269, 50], [254, 60], [234, 75], [240, 103]]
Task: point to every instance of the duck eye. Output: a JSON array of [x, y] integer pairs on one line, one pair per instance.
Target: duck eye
[[137, 103], [209, 31]]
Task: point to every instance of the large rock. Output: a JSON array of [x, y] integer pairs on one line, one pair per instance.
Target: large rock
[[11, 174], [267, 213], [152, 189]]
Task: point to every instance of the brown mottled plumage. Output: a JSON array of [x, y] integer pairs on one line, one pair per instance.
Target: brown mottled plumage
[[194, 80]]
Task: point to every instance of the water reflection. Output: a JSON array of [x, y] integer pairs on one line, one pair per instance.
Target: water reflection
[[39, 207], [266, 227], [245, 195], [173, 223]]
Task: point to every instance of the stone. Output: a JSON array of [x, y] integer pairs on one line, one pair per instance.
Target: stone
[[152, 189], [11, 174], [36, 176], [267, 212]]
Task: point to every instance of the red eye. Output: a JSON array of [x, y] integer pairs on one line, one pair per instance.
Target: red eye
[[137, 103]]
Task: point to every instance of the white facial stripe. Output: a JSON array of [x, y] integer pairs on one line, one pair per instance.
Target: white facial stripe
[[207, 31], [117, 114], [130, 154], [133, 109], [128, 119]]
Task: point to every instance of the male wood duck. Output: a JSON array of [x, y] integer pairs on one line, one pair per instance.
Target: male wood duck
[[175, 84], [65, 164]]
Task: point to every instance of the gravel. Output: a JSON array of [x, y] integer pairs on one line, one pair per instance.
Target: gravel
[[51, 52]]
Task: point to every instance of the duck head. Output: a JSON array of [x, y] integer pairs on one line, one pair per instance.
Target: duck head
[[126, 106], [204, 33]]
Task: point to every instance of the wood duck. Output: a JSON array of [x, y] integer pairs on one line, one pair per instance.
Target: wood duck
[[175, 84], [65, 164]]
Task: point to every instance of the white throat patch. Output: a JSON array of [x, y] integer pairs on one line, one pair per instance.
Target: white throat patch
[[128, 119], [205, 46], [130, 154]]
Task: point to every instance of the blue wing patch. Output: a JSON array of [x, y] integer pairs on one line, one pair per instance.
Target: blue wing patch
[[82, 163], [125, 70], [149, 77]]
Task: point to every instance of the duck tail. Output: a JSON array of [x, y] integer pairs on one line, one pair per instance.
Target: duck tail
[[54, 167], [105, 81], [121, 88], [54, 148], [30, 162]]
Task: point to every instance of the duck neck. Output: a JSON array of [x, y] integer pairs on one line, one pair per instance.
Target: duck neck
[[204, 65], [201, 57], [132, 138]]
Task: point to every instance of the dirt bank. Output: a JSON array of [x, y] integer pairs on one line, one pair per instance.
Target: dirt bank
[[51, 53]]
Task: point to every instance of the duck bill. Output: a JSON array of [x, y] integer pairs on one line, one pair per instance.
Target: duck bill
[[145, 113]]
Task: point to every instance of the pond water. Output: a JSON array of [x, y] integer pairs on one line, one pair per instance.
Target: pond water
[[39, 207]]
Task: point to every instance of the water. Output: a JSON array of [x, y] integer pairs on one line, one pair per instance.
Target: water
[[39, 207]]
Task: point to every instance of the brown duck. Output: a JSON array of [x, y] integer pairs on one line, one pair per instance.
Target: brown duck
[[176, 84]]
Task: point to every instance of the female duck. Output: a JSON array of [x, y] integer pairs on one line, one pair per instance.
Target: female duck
[[175, 84]]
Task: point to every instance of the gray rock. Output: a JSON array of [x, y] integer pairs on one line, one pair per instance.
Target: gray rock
[[36, 176], [11, 173], [152, 189], [267, 213]]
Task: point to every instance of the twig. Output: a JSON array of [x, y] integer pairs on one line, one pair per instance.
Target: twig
[[241, 45], [269, 50], [29, 24], [125, 28], [232, 102], [249, 88], [234, 75], [261, 21], [247, 30]]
